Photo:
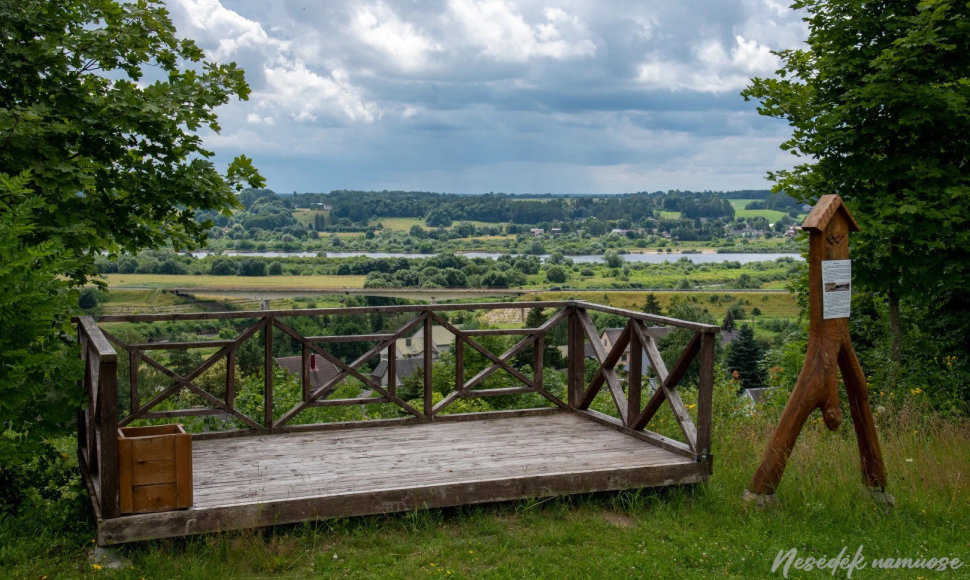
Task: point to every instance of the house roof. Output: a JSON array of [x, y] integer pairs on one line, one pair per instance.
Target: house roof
[[440, 336], [405, 368], [324, 373], [613, 334], [756, 395]]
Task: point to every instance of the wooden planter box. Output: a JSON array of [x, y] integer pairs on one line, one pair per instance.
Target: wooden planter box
[[155, 465]]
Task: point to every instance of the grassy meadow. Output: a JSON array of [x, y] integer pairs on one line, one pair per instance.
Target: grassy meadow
[[702, 531]]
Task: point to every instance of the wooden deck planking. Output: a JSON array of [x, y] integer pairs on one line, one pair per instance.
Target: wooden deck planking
[[282, 478]]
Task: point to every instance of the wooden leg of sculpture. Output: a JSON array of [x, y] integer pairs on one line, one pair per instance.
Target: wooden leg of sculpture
[[809, 393], [870, 454]]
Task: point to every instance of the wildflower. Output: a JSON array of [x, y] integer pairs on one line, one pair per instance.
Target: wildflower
[[96, 566], [915, 391], [909, 460]]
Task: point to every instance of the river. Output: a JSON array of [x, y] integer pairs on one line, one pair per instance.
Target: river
[[708, 258]]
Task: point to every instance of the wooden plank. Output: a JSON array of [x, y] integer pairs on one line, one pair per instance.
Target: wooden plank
[[671, 393], [107, 425], [489, 354], [445, 402], [652, 318], [496, 392], [606, 371], [345, 370], [538, 363], [154, 497], [635, 376], [231, 379], [268, 363], [671, 380], [347, 402], [181, 381], [305, 371], [97, 341], [179, 523], [125, 468], [666, 443], [151, 472], [459, 363], [151, 448], [705, 396], [133, 363], [182, 345], [502, 362], [345, 311], [191, 412], [499, 331], [392, 368], [428, 362], [577, 357], [351, 338], [183, 471]]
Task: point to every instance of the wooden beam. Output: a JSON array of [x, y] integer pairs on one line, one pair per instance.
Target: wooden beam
[[705, 396], [268, 374], [576, 359], [605, 370]]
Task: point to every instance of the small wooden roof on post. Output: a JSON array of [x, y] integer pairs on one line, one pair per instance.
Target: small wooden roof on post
[[823, 212]]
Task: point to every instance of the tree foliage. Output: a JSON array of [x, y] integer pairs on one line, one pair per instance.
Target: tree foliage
[[878, 103], [100, 104], [744, 357], [101, 101], [39, 367]]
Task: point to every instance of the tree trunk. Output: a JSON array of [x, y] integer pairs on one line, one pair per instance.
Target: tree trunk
[[895, 336]]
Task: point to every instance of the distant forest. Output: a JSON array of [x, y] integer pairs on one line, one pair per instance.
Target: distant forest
[[438, 209]]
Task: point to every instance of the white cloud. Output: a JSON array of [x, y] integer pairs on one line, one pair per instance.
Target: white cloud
[[306, 95], [230, 31], [481, 95], [380, 27], [254, 119], [288, 85], [713, 69], [501, 32]]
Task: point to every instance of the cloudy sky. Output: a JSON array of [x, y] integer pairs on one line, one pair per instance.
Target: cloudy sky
[[520, 96]]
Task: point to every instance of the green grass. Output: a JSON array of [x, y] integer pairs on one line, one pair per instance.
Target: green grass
[[704, 531], [395, 224], [771, 215], [306, 216]]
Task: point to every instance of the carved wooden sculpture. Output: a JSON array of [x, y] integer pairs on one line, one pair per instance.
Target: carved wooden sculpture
[[829, 348]]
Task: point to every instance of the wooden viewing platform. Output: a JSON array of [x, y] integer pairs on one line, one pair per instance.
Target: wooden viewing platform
[[287, 465]]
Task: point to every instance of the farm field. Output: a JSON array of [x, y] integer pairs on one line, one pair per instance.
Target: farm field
[[771, 304], [175, 281]]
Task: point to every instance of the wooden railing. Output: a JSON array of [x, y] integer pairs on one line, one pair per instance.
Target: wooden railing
[[99, 422]]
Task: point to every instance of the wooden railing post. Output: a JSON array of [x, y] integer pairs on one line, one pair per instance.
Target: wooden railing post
[[575, 351], [108, 430], [538, 361], [705, 396], [428, 385], [634, 377], [268, 374]]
